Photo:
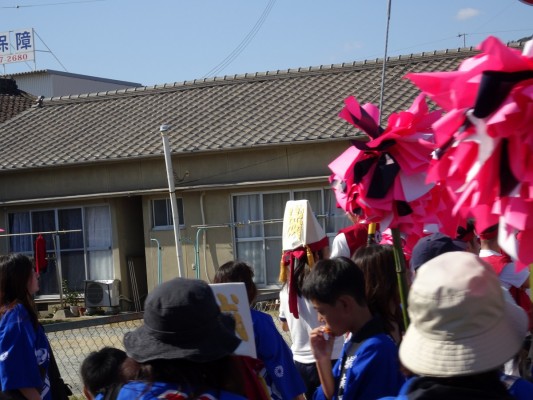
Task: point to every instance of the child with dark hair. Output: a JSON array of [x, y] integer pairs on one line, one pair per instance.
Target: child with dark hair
[[368, 367], [381, 285], [24, 348], [100, 372], [282, 376]]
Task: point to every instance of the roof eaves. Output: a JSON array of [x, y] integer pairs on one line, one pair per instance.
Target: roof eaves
[[266, 75], [92, 160]]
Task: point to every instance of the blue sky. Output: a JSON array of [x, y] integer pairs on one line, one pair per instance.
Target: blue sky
[[166, 41]]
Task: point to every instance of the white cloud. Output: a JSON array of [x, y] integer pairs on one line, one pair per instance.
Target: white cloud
[[347, 51], [466, 13], [349, 47]]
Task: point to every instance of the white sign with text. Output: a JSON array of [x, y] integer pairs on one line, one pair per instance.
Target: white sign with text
[[233, 299], [17, 46]]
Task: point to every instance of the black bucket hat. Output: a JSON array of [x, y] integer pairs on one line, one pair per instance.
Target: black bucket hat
[[182, 320]]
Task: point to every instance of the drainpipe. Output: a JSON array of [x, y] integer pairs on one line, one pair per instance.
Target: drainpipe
[[197, 252], [204, 246], [159, 263]]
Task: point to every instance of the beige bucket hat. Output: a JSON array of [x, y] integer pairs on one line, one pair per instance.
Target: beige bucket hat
[[460, 322]]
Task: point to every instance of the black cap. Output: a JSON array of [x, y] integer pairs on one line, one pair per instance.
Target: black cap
[[430, 247]]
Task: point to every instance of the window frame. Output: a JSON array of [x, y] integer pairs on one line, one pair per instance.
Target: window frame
[[322, 216], [85, 249], [179, 201]]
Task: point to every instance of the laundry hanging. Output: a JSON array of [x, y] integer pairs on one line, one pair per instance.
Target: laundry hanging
[[40, 255]]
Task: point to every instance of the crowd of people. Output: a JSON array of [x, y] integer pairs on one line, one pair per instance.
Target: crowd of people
[[467, 336]]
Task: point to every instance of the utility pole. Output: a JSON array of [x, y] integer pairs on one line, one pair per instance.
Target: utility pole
[[172, 192]]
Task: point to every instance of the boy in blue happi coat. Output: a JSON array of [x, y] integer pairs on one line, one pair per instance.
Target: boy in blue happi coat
[[368, 367]]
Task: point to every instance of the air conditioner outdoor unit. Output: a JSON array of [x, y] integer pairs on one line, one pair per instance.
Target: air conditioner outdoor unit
[[102, 293]]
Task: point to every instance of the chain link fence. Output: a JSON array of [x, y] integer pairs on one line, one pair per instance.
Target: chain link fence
[[71, 342]]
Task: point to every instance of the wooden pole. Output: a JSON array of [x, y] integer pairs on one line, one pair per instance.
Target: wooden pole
[[371, 233], [531, 282], [399, 261]]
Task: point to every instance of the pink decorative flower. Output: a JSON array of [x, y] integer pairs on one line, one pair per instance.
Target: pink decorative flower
[[485, 140], [384, 179]]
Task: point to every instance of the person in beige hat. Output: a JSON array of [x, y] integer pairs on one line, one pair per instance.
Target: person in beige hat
[[462, 331]]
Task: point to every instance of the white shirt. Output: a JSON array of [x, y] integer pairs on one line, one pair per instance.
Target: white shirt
[[509, 276], [339, 247], [300, 328]]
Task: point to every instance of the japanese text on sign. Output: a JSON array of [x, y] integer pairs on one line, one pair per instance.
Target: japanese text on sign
[[17, 46], [233, 299], [296, 218], [232, 308]]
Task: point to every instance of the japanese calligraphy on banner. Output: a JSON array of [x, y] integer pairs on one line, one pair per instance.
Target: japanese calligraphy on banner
[[233, 299], [17, 46]]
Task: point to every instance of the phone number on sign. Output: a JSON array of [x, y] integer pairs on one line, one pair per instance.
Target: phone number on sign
[[13, 58]]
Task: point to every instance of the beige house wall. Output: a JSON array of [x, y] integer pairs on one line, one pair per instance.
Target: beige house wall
[[215, 244], [260, 164], [208, 182], [109, 180]]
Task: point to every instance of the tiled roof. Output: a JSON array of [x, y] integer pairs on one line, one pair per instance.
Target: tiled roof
[[13, 100], [223, 113]]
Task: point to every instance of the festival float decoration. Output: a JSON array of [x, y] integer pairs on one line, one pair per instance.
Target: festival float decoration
[[485, 141], [384, 179]]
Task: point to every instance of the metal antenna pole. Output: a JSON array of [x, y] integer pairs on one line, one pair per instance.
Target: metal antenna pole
[[464, 38], [399, 258], [384, 63], [172, 192]]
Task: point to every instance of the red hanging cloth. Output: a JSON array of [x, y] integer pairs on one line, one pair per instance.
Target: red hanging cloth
[[40, 255]]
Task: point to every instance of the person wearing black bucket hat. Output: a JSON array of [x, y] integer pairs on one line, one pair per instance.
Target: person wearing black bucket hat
[[184, 347]]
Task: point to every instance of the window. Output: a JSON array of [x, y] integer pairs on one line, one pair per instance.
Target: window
[[258, 239], [83, 254], [162, 213], [98, 243]]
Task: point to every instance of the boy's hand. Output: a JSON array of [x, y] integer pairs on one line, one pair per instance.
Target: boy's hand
[[321, 343], [322, 346]]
